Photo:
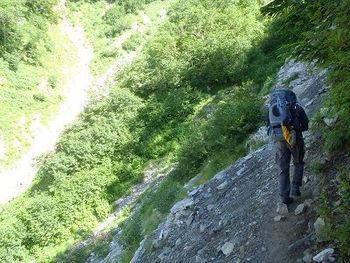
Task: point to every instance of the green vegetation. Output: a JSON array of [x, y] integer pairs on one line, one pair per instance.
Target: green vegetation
[[105, 22], [187, 99], [33, 50], [191, 99]]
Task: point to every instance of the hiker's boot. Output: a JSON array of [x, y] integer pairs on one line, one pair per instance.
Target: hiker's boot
[[296, 192], [287, 200]]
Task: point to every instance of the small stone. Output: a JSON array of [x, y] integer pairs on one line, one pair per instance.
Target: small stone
[[282, 209], [337, 203], [200, 259], [222, 186], [307, 258], [323, 255], [241, 249], [227, 248], [182, 205], [202, 228], [306, 179], [194, 191], [220, 175], [308, 202], [279, 218], [330, 122], [207, 195], [189, 220], [319, 227], [263, 249], [210, 207], [300, 209], [188, 248], [178, 242], [331, 259]]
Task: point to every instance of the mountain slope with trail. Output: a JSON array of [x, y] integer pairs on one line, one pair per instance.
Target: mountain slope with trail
[[231, 218], [16, 180]]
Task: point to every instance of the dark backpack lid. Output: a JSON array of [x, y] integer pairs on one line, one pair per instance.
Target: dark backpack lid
[[284, 95]]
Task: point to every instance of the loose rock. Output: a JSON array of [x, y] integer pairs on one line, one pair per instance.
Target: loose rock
[[182, 205], [279, 218], [222, 186], [227, 248], [308, 202], [319, 227], [300, 209], [324, 255], [307, 258], [210, 207], [282, 209]]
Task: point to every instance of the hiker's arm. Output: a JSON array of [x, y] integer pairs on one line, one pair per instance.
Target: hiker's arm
[[267, 122], [304, 120]]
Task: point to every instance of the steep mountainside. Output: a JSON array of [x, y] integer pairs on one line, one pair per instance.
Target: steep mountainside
[[179, 88], [231, 218]]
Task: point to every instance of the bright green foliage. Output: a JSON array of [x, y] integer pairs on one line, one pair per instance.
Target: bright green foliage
[[191, 96], [23, 24], [31, 75], [71, 191]]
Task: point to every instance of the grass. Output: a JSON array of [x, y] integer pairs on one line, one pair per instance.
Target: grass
[[33, 92]]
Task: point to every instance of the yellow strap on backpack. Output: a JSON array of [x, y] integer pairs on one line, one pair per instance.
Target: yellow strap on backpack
[[289, 135]]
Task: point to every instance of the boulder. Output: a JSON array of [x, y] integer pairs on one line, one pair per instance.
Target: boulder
[[324, 255]]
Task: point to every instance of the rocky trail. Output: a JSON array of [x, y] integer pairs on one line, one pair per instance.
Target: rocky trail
[[233, 217]]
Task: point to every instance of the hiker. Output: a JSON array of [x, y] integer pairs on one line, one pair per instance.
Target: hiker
[[286, 122]]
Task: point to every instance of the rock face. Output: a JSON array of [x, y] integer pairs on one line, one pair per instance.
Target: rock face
[[232, 218]]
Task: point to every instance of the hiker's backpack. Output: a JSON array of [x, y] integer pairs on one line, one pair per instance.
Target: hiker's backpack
[[282, 116]]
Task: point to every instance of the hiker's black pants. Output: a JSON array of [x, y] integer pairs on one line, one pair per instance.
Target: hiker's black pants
[[283, 158]]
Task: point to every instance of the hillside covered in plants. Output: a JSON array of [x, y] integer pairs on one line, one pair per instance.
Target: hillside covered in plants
[[184, 85]]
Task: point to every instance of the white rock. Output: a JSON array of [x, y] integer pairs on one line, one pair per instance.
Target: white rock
[[307, 258], [282, 209], [220, 175], [308, 202], [279, 218], [323, 255], [227, 248], [300, 209], [178, 242], [210, 207], [330, 122], [182, 205], [222, 186], [319, 227]]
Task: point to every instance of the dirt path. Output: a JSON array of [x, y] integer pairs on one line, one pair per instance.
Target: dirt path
[[17, 179]]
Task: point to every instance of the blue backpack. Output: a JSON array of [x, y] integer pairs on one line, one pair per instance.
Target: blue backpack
[[282, 104]]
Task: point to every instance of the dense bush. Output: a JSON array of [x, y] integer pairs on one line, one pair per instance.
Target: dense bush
[[23, 24]]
